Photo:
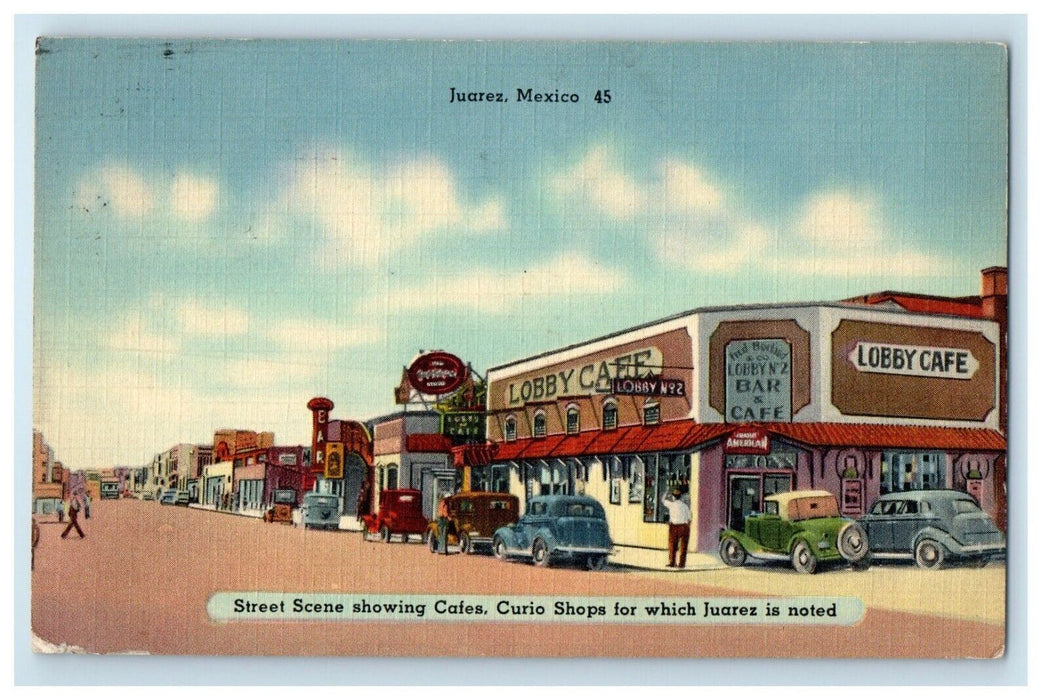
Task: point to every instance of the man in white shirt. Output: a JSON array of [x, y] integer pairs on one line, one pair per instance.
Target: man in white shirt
[[680, 523]]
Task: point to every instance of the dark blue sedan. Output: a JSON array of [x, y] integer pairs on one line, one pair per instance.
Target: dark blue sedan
[[931, 527], [557, 528]]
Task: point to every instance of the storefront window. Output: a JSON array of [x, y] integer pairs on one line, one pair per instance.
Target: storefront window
[[551, 477], [913, 471], [391, 477], [663, 474], [635, 474]]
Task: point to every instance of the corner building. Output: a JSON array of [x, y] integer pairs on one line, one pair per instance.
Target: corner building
[[734, 404]]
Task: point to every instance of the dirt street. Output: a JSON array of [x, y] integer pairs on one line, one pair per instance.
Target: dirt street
[[141, 580]]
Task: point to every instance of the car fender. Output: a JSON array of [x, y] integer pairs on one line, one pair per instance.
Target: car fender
[[749, 543], [812, 540], [546, 533], [507, 535], [948, 542]]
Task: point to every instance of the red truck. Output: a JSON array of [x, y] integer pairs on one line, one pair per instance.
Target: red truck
[[400, 513]]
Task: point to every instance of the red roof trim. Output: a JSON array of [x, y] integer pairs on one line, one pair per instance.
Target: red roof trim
[[682, 435]]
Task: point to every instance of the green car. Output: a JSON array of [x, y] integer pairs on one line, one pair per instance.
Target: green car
[[805, 527]]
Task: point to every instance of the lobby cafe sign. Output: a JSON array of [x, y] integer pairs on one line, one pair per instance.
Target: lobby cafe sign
[[592, 377], [914, 360]]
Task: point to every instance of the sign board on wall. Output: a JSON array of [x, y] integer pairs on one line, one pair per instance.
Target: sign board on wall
[[758, 380], [463, 425], [588, 377], [883, 369]]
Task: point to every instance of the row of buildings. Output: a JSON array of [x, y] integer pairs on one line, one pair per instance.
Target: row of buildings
[[885, 392]]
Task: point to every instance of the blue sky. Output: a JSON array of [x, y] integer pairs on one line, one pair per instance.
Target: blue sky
[[225, 229]]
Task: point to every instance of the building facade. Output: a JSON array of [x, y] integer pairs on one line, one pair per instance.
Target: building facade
[[734, 404], [411, 453]]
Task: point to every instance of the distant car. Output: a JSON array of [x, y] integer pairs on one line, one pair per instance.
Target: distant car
[[474, 516], [182, 498], [803, 527], [400, 513], [321, 510], [557, 527], [931, 527], [169, 497], [284, 502], [147, 496]]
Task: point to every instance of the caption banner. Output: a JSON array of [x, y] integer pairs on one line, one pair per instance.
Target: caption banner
[[358, 607]]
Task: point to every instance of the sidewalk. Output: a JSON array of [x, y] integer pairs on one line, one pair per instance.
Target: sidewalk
[[656, 560]]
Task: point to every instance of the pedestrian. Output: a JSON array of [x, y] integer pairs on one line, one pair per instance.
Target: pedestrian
[[443, 525], [87, 507], [61, 510], [680, 523], [36, 541], [74, 511]]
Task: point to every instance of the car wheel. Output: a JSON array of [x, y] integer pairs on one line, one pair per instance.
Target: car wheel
[[928, 554], [499, 549], [404, 537], [803, 558], [466, 545], [364, 533], [853, 543], [540, 553], [384, 533], [431, 541], [595, 562], [732, 552], [861, 564]]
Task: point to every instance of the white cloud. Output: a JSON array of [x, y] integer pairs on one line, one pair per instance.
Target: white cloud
[[135, 334], [602, 184], [730, 255], [117, 188], [199, 318], [689, 189], [366, 213], [497, 291], [193, 198], [840, 220], [674, 188]]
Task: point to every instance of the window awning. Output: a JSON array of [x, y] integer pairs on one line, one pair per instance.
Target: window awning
[[889, 436], [684, 435]]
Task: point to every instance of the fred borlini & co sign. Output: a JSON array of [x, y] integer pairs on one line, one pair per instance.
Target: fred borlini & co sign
[[914, 360]]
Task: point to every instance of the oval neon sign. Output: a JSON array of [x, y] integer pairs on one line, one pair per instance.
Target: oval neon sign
[[436, 373]]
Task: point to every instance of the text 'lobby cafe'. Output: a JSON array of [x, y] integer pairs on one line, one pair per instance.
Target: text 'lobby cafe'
[[736, 404]]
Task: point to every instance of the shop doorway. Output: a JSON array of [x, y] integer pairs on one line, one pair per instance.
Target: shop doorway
[[747, 492]]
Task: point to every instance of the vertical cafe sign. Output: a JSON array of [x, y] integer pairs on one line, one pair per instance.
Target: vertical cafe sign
[[757, 380]]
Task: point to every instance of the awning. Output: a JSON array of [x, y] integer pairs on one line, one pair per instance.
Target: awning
[[474, 455], [678, 435], [888, 436], [684, 435]]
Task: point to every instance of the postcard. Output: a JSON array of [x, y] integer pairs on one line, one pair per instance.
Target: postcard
[[520, 348]]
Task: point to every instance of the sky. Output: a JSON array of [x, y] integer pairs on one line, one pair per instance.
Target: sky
[[225, 229]]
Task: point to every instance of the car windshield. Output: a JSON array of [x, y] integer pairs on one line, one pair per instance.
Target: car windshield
[[810, 507]]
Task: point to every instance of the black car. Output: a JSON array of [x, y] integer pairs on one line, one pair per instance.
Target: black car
[[931, 527]]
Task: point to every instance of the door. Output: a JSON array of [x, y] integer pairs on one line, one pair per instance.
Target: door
[[352, 478], [744, 498]]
